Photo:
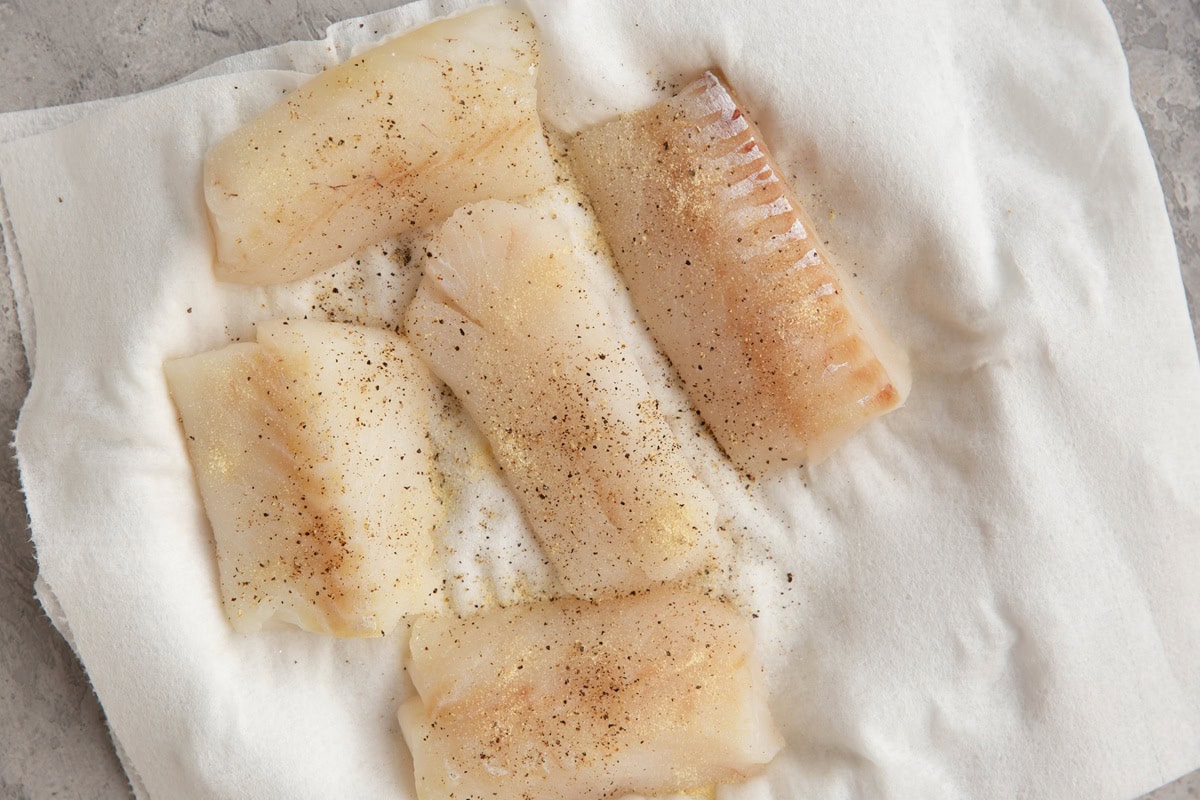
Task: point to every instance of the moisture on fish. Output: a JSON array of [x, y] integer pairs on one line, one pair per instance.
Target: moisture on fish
[[570, 700], [384, 143], [504, 316], [778, 352], [315, 466]]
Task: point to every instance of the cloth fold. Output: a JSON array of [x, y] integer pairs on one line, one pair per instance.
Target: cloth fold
[[990, 593]]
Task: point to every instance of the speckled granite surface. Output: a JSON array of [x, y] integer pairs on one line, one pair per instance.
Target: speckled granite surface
[[52, 737]]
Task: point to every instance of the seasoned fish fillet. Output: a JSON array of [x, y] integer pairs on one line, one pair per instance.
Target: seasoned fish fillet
[[395, 138], [313, 459], [570, 700], [503, 315], [778, 353]]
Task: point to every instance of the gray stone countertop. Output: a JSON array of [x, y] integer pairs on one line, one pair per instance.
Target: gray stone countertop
[[53, 742]]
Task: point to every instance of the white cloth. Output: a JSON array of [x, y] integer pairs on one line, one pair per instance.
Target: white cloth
[[994, 592]]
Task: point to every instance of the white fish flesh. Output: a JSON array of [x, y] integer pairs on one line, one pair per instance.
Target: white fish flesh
[[391, 140], [569, 700], [778, 352], [313, 458], [504, 316]]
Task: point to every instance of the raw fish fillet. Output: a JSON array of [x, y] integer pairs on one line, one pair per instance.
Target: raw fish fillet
[[570, 700], [503, 315], [777, 351], [314, 462], [393, 139]]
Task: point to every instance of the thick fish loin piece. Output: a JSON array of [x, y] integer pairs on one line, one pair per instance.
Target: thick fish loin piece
[[314, 463], [778, 352], [391, 140], [504, 316], [569, 700]]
